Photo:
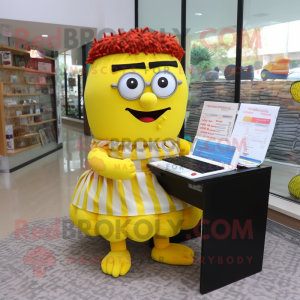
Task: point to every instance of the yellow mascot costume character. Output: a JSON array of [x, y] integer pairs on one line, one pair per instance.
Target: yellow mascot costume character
[[136, 96]]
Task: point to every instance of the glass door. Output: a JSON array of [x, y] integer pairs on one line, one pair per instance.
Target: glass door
[[74, 99], [80, 95], [72, 88]]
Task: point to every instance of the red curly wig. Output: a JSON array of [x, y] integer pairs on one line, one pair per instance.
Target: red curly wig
[[134, 42]]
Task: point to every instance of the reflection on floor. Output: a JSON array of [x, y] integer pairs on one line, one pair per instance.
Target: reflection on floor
[[281, 176], [44, 189]]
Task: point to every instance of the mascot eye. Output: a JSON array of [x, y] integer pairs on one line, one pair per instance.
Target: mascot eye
[[132, 83], [131, 86], [164, 84]]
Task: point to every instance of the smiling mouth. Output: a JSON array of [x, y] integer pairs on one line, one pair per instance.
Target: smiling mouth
[[147, 116]]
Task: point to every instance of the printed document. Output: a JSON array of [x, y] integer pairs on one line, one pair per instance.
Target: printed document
[[217, 120], [253, 131]]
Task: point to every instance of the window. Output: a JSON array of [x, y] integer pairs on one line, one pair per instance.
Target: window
[[210, 56], [271, 45], [294, 76], [163, 16], [270, 65]]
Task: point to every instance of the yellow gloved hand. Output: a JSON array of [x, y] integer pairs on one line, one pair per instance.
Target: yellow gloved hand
[[185, 147], [109, 167]]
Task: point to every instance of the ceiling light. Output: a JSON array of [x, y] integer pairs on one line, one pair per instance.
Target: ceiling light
[[44, 35], [198, 14], [201, 31]]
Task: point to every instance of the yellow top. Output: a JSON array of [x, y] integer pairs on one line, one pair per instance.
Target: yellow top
[[142, 195]]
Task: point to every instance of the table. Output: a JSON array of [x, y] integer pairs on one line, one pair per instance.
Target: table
[[235, 207]]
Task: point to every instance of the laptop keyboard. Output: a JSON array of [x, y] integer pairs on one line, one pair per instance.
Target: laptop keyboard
[[193, 164]]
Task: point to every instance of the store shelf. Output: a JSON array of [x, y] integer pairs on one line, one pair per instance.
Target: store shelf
[[26, 70], [20, 150], [21, 105], [29, 83], [29, 104], [37, 79], [26, 136], [22, 116], [45, 102], [17, 95], [20, 51], [35, 124]]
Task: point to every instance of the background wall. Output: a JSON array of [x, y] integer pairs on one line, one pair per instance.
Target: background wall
[[119, 14], [67, 12], [99, 15]]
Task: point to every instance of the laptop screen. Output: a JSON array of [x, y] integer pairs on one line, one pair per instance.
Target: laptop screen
[[221, 153]]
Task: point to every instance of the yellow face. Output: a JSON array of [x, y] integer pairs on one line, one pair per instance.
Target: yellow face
[[146, 103]]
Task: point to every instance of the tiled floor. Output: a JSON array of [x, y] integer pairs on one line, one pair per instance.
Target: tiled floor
[[43, 189]]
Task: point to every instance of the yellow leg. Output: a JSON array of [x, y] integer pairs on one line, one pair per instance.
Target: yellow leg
[[142, 228], [118, 261], [172, 254], [84, 220], [161, 242], [118, 246], [191, 217]]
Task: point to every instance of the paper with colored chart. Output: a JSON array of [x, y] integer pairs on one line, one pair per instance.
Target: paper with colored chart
[[217, 120], [253, 131]]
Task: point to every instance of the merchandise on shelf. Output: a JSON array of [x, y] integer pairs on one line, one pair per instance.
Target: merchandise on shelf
[[276, 70], [6, 58], [247, 73], [24, 93], [9, 138]]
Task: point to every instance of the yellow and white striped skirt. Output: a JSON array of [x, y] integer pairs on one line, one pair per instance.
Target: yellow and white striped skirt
[[140, 196]]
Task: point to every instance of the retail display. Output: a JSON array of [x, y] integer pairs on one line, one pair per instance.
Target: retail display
[[247, 73], [212, 75], [45, 67], [295, 90], [9, 138], [21, 95], [132, 125], [276, 70], [19, 61], [6, 58], [36, 53], [294, 187], [13, 78]]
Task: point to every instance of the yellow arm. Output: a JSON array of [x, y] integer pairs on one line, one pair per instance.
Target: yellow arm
[[185, 147], [109, 167]]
